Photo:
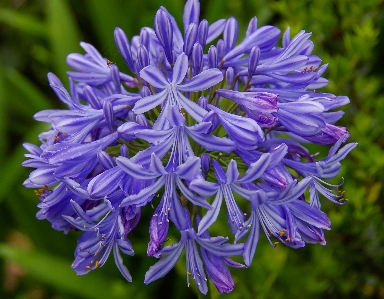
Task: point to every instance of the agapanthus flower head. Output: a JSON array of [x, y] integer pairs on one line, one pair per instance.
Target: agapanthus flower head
[[205, 123]]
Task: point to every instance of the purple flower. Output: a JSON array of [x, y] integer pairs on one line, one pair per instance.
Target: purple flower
[[214, 248], [171, 91], [223, 189], [188, 131]]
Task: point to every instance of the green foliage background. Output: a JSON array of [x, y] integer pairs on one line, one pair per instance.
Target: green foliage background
[[35, 38]]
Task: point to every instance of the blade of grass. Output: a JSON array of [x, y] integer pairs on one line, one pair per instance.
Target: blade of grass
[[64, 35], [12, 168], [23, 22], [55, 272], [3, 120], [32, 96]]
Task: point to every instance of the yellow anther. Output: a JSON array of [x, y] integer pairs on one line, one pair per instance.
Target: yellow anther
[[97, 264], [276, 243], [87, 267], [287, 239]]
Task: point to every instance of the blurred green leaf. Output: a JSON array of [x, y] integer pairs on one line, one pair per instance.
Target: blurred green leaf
[[32, 96], [64, 35], [12, 165], [3, 119], [42, 265], [23, 22]]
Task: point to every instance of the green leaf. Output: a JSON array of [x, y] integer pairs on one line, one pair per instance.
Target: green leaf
[[64, 35], [12, 166], [32, 96], [56, 272], [23, 22], [3, 119]]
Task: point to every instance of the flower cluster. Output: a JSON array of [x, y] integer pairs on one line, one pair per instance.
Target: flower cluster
[[202, 123]]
